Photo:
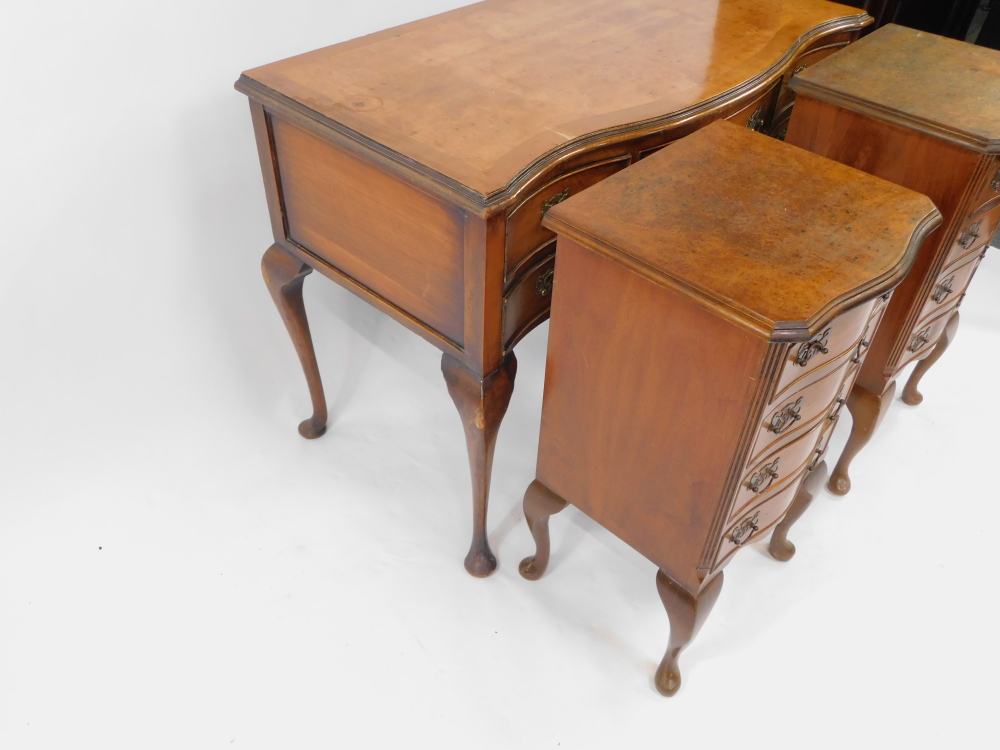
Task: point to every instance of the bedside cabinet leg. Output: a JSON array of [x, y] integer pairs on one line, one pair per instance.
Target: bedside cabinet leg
[[687, 614], [539, 503], [284, 275], [481, 402], [780, 548], [911, 395], [867, 410]]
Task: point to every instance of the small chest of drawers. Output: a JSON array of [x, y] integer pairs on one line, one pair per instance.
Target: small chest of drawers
[[712, 307], [924, 112]]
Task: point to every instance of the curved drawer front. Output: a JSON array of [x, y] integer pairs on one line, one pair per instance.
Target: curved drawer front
[[525, 233], [952, 283], [925, 334], [990, 194], [827, 350], [756, 115], [527, 303], [975, 234], [755, 522], [771, 473]]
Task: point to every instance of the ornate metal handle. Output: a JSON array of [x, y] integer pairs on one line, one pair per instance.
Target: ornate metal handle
[[557, 198], [763, 479], [815, 345], [756, 120], [835, 412], [970, 235], [996, 182], [745, 530], [543, 287], [785, 416], [942, 290], [799, 69], [862, 346], [920, 339]]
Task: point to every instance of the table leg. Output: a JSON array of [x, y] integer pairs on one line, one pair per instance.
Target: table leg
[[539, 503], [867, 410], [779, 547], [284, 275], [687, 613], [481, 401], [911, 395]]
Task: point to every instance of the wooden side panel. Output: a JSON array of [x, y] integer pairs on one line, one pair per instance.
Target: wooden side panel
[[398, 242], [646, 396]]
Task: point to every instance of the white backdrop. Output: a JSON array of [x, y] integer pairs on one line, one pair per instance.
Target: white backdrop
[[178, 569]]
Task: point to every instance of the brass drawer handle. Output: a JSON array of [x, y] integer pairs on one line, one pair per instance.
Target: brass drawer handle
[[763, 479], [943, 290], [862, 347], [785, 416], [996, 182], [815, 345], [756, 120], [555, 199], [745, 530], [920, 339], [838, 405], [543, 287], [970, 235], [799, 69]]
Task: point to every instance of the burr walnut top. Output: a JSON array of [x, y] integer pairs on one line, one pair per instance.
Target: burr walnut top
[[481, 93], [929, 83], [767, 234]]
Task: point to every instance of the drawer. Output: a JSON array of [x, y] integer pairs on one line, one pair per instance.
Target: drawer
[[755, 522], [925, 334], [772, 473], [952, 283], [827, 350], [527, 303], [798, 411], [989, 197], [787, 96], [755, 115], [525, 233], [975, 234]]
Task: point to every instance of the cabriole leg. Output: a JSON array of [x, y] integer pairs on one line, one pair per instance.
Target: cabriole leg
[[481, 402], [284, 275], [687, 614], [867, 410], [539, 503], [780, 548], [911, 395]]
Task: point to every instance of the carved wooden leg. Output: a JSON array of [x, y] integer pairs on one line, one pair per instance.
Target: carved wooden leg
[[481, 402], [539, 503], [867, 410], [284, 275], [780, 548], [911, 395], [687, 614]]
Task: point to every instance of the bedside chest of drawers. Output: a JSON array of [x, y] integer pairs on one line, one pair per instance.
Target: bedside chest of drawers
[[712, 307], [924, 112], [414, 166]]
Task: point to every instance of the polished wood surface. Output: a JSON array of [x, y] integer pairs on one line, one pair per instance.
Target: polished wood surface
[[924, 112], [414, 166], [478, 93], [682, 409]]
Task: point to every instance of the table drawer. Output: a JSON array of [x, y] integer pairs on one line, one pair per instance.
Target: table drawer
[[974, 235], [755, 522], [952, 283], [771, 473], [525, 233], [925, 334], [989, 197], [824, 352], [527, 303], [755, 115]]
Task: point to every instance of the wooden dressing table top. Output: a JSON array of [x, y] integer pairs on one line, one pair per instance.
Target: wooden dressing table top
[[928, 83], [684, 242], [476, 97]]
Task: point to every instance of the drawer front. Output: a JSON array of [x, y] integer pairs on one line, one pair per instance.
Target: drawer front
[[952, 283], [527, 303], [925, 334], [989, 197], [755, 522], [772, 473], [525, 233], [785, 419], [756, 115], [974, 235], [826, 351], [783, 109]]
